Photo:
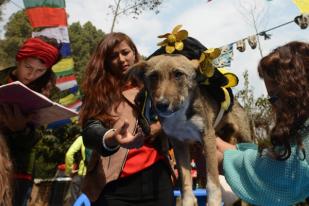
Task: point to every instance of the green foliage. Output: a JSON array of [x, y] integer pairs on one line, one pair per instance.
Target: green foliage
[[135, 7], [258, 110], [132, 7], [17, 30], [51, 149], [246, 94], [84, 40]]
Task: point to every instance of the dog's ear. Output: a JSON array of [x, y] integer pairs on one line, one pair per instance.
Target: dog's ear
[[196, 63], [136, 73]]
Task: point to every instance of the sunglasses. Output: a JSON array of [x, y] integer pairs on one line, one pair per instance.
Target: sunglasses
[[272, 99]]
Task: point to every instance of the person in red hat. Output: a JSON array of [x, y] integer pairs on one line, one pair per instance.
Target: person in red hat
[[34, 60]]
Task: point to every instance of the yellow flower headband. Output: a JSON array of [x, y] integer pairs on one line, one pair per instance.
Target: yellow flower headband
[[173, 40]]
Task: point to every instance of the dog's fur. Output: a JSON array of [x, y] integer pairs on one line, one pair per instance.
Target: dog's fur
[[187, 114]]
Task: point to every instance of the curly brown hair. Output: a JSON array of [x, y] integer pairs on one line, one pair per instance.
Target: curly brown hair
[[5, 174], [100, 86], [287, 67]]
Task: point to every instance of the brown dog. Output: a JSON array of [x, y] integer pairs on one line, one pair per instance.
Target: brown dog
[[187, 114]]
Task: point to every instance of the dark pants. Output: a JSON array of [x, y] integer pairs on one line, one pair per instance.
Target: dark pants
[[150, 187], [74, 189], [22, 192], [58, 192]]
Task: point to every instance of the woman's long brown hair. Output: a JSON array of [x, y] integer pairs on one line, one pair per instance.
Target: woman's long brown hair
[[101, 87], [5, 174], [287, 67]]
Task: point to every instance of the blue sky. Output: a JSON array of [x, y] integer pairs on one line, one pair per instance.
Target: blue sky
[[215, 24]]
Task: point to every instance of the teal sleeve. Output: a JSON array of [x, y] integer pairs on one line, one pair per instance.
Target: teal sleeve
[[260, 180]]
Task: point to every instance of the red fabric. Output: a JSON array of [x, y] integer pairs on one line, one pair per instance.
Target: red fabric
[[46, 17], [23, 176], [36, 47], [65, 79], [10, 80], [139, 159], [61, 167]]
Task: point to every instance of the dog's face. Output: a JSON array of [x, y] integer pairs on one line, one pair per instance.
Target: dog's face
[[169, 80]]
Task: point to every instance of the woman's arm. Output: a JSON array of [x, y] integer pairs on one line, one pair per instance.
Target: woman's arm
[[93, 133], [107, 141], [260, 180]]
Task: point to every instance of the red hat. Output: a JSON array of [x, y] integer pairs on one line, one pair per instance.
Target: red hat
[[36, 47]]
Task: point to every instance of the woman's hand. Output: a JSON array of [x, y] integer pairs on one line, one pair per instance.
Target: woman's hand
[[12, 117], [124, 138], [155, 130], [221, 147]]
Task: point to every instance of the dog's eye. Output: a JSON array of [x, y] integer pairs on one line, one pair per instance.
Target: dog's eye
[[178, 74]]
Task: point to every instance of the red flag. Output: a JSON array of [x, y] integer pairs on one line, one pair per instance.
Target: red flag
[[46, 17]]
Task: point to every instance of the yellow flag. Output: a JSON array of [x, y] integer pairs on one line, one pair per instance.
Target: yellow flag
[[63, 65], [303, 5], [69, 99]]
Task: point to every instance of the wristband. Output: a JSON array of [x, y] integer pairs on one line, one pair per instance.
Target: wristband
[[110, 149]]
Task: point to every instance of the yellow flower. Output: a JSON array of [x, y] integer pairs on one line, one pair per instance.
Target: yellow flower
[[173, 40], [232, 81], [206, 58], [230, 76]]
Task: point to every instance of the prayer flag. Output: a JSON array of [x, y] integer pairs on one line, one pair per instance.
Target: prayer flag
[[47, 3], [65, 50], [69, 99], [67, 82], [46, 17], [50, 16], [225, 58], [63, 65], [60, 33], [303, 5]]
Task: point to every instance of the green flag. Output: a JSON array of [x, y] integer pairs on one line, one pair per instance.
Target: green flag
[[45, 3]]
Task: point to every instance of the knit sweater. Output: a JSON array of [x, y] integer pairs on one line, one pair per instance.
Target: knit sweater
[[260, 180]]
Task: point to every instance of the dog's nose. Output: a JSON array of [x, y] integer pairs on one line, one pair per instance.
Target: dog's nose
[[162, 106]]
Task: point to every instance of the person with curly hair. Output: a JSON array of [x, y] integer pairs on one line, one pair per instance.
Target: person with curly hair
[[276, 173]]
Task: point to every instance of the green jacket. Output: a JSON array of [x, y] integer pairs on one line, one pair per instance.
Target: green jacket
[[77, 146]]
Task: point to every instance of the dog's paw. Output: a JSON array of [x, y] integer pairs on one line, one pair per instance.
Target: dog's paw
[[188, 201]]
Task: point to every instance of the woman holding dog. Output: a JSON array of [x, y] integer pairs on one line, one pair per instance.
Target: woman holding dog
[[276, 174], [123, 170], [34, 61]]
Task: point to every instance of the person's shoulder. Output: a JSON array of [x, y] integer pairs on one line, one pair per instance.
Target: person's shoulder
[[4, 74], [2, 68], [7, 68]]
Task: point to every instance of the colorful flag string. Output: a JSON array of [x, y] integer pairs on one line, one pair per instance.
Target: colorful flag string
[[49, 18]]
